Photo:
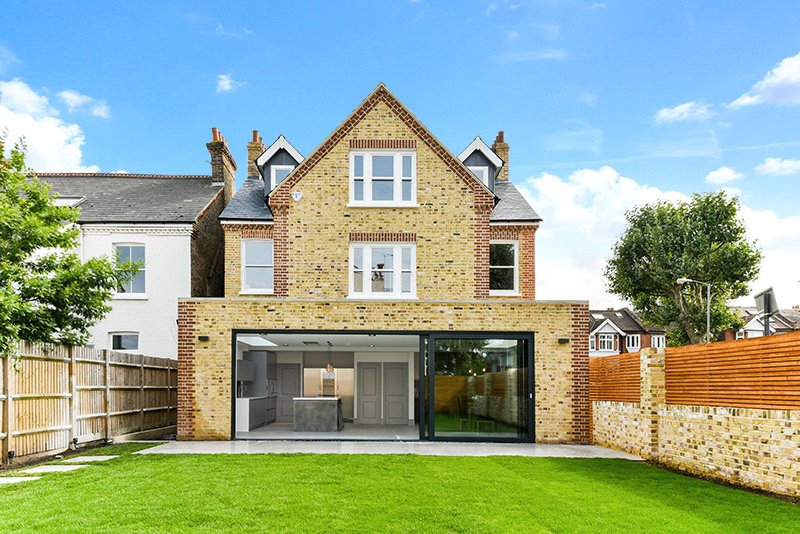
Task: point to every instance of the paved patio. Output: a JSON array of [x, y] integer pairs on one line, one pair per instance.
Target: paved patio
[[427, 448]]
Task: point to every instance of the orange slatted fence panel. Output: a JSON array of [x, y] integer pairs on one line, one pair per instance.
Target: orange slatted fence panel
[[762, 372], [614, 378]]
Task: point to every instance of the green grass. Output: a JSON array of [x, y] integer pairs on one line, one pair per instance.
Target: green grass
[[360, 493]]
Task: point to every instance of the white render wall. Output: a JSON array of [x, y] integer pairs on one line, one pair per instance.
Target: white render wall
[[167, 277]]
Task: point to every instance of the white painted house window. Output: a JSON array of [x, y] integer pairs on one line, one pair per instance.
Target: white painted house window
[[633, 342], [383, 178], [592, 343], [277, 174], [658, 342], [381, 270], [258, 267], [482, 173], [504, 268], [125, 341], [740, 334], [133, 252], [605, 341]]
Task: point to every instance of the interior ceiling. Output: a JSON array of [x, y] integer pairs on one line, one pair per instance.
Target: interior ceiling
[[341, 342]]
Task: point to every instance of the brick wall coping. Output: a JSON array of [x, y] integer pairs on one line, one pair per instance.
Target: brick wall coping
[[488, 301]]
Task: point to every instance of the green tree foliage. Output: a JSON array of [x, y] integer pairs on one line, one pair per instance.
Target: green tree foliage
[[46, 293], [701, 239]]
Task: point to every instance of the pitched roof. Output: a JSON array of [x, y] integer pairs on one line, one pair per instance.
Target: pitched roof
[[483, 148], [623, 318], [511, 205], [248, 203], [135, 198], [280, 143]]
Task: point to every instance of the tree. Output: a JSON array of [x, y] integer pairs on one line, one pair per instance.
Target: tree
[[47, 293], [701, 239]]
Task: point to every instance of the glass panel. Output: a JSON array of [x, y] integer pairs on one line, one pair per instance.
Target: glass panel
[[358, 189], [382, 282], [405, 254], [137, 254], [258, 252], [258, 277], [407, 166], [137, 284], [501, 279], [358, 282], [382, 258], [358, 165], [358, 258], [281, 174], [405, 282], [123, 254], [383, 166], [501, 254], [480, 388], [407, 190], [382, 190], [125, 342]]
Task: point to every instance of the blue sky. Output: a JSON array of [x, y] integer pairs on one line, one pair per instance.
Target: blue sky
[[605, 104]]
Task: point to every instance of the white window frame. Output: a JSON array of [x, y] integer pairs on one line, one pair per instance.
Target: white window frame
[[118, 295], [633, 341], [111, 336], [658, 341], [480, 172], [592, 342], [273, 168], [506, 292], [605, 342], [397, 271], [243, 290], [397, 179], [740, 334]]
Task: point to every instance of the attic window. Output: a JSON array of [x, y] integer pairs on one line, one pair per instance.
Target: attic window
[[618, 314], [598, 316], [482, 173], [278, 173]]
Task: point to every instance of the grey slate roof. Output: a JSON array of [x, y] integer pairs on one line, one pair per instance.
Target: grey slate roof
[[135, 198], [248, 203], [623, 318], [512, 206]]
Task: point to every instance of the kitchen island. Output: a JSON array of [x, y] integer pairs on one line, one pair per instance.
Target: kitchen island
[[318, 414]]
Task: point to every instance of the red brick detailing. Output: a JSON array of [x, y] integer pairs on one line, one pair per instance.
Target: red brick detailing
[[526, 235], [187, 390], [579, 340], [384, 237], [257, 231], [482, 237], [281, 195], [280, 235], [384, 143]]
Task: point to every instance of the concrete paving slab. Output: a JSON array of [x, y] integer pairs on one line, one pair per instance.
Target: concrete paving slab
[[15, 480], [53, 469], [426, 448], [80, 459]]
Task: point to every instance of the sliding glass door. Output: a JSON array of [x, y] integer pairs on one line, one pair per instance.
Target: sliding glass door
[[479, 387]]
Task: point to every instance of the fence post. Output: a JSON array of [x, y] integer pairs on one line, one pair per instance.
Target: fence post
[[8, 424], [107, 385], [653, 396], [73, 420], [141, 392]]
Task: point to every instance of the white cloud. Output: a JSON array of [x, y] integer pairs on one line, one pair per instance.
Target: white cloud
[[512, 34], [584, 215], [534, 55], [587, 97], [583, 137], [76, 101], [781, 85], [7, 58], [53, 144], [723, 175], [597, 5], [225, 83], [779, 167], [689, 111], [491, 8]]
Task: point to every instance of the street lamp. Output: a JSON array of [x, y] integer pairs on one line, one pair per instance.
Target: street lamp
[[682, 281]]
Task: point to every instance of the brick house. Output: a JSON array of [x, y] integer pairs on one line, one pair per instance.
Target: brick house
[[171, 224], [383, 283], [619, 331]]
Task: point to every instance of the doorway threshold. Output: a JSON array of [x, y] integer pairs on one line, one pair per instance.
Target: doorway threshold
[[351, 432]]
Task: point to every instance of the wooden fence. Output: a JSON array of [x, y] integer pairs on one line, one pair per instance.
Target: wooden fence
[[615, 378], [762, 372], [54, 396]]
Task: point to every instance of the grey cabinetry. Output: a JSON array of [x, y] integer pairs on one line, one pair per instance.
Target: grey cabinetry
[[271, 405]]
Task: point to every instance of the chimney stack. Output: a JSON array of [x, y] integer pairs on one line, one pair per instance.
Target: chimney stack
[[254, 149], [500, 147], [223, 167]]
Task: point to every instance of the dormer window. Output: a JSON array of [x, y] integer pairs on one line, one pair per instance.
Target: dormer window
[[383, 178], [277, 174], [482, 173]]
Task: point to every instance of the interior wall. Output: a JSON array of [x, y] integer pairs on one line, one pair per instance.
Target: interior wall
[[390, 357]]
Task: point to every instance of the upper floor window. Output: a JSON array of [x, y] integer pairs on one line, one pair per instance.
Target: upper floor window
[[383, 178], [482, 173], [503, 268], [135, 254], [277, 174], [633, 341], [592, 343], [740, 334], [258, 268], [658, 342], [605, 341], [380, 270]]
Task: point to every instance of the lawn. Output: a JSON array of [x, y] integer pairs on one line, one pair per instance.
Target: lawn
[[335, 493]]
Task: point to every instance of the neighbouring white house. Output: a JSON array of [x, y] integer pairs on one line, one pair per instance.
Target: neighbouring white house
[[168, 222], [780, 322], [619, 331]]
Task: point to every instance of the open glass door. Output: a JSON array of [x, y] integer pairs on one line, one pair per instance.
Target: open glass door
[[479, 387]]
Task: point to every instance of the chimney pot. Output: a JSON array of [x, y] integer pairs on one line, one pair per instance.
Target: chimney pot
[[500, 147], [214, 134], [255, 136]]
